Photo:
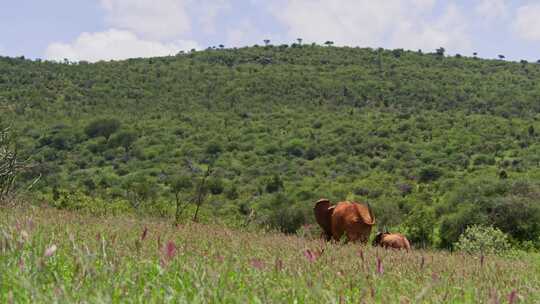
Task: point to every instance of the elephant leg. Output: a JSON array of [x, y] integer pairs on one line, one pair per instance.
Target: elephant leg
[[337, 231], [353, 236], [337, 235], [363, 233], [326, 236]]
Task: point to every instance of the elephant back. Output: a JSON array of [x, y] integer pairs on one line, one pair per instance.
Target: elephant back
[[395, 240]]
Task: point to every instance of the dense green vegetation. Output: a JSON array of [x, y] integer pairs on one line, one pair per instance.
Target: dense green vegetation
[[434, 143], [57, 256]]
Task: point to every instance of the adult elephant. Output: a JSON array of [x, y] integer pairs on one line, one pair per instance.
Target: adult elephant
[[353, 219], [391, 240]]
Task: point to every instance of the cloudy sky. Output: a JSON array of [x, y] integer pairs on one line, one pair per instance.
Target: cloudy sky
[[115, 29]]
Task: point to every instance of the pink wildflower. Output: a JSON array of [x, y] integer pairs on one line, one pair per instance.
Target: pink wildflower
[[256, 263], [512, 297], [310, 255], [170, 250], [50, 251], [380, 269]]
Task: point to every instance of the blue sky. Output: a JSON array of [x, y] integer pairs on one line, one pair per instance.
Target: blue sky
[[116, 29]]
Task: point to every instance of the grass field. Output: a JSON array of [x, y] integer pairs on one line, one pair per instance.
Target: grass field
[[50, 256]]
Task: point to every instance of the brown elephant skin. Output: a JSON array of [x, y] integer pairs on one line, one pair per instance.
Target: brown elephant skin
[[391, 240], [352, 219]]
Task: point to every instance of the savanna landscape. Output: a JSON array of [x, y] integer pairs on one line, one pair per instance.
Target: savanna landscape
[[195, 178]]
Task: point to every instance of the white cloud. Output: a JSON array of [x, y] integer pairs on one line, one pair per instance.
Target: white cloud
[[527, 22], [113, 44], [447, 30], [246, 33], [491, 9], [163, 19], [142, 28], [411, 24], [207, 11]]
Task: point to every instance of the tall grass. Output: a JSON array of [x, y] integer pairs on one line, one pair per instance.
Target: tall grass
[[49, 256]]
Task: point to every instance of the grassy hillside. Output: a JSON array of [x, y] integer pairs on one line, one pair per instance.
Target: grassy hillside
[[58, 256], [434, 143]]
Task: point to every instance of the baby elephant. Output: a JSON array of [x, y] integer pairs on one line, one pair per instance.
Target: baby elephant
[[391, 240]]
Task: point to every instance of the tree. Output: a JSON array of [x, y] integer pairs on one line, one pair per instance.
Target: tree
[[124, 139], [139, 189], [501, 57], [299, 41], [266, 42], [213, 149], [419, 225], [396, 52], [102, 127], [202, 190], [428, 174], [440, 51], [329, 43], [10, 164], [274, 184], [215, 185], [531, 131], [178, 185]]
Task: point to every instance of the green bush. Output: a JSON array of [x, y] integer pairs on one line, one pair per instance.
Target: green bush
[[102, 127], [484, 240], [429, 174], [419, 226], [287, 219], [215, 185], [295, 148], [214, 148], [274, 184], [281, 214]]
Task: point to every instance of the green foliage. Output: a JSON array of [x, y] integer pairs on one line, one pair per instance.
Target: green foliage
[[81, 202], [215, 185], [180, 183], [102, 127], [429, 174], [281, 214], [511, 206], [274, 184], [410, 132], [124, 139], [140, 190], [483, 239], [214, 148], [419, 226], [10, 164]]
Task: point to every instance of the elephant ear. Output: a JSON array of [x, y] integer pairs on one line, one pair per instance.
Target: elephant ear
[[323, 214], [378, 238], [365, 213]]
